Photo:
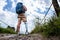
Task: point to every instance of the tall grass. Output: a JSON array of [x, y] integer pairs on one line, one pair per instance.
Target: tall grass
[[52, 28]]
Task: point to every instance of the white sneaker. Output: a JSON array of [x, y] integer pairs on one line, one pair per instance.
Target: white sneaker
[[26, 33], [19, 34]]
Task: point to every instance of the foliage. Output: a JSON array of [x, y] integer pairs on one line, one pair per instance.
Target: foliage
[[7, 30], [52, 28]]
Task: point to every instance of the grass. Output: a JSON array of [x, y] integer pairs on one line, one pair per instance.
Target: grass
[[7, 30], [52, 28]]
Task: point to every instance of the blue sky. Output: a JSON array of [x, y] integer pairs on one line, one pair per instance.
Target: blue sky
[[8, 5], [35, 8]]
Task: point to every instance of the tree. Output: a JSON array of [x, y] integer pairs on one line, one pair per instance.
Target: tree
[[56, 7]]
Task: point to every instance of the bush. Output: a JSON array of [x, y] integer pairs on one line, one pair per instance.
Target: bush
[[7, 30], [52, 28]]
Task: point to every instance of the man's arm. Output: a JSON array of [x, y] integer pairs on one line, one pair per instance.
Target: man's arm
[[24, 8]]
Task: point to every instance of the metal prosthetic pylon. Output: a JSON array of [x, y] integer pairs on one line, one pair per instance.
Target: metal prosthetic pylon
[[26, 28]]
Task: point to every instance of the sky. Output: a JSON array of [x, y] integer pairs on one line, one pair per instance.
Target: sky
[[35, 9]]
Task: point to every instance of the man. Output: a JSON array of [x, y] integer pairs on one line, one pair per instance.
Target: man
[[21, 15]]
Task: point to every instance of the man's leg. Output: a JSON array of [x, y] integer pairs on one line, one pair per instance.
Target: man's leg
[[25, 22], [18, 25]]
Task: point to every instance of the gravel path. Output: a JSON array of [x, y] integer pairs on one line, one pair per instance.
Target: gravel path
[[26, 37], [21, 37]]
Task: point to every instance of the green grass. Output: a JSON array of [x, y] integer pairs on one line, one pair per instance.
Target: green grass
[[52, 28], [7, 30]]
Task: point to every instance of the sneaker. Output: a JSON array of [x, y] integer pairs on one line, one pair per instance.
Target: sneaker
[[27, 33], [19, 34]]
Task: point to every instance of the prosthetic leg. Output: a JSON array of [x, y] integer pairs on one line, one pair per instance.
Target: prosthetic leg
[[26, 28]]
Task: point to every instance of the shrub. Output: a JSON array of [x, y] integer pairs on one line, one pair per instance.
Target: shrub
[[52, 28], [7, 30]]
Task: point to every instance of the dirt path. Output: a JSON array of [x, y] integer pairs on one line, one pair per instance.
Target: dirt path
[[26, 37], [21, 37]]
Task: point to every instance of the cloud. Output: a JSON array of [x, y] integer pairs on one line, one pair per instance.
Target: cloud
[[58, 2], [2, 4]]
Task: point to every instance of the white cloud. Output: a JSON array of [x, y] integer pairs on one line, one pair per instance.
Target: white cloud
[[58, 2], [2, 4], [13, 4]]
